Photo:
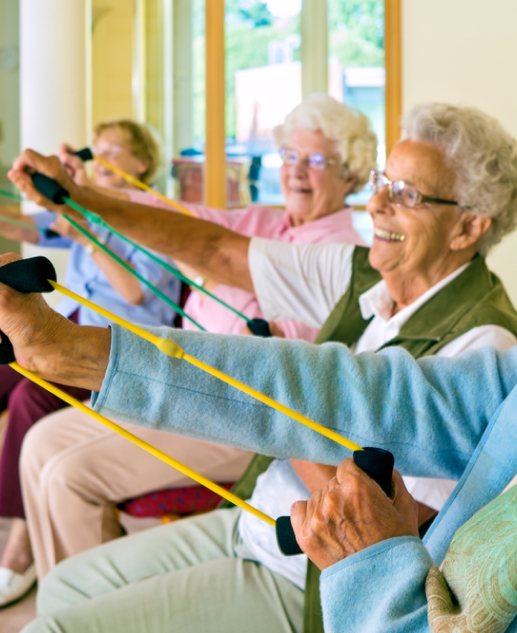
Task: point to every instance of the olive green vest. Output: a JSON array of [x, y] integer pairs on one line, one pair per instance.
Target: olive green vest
[[474, 298]]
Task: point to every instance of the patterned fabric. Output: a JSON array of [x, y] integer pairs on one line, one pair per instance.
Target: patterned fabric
[[179, 501], [477, 591]]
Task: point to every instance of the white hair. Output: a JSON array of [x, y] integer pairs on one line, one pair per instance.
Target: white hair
[[483, 155], [356, 143]]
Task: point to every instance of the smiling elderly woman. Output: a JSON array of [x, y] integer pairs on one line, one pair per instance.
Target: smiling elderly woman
[[328, 151], [449, 193]]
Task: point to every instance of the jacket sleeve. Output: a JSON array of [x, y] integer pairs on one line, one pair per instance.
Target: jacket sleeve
[[379, 590], [430, 414]]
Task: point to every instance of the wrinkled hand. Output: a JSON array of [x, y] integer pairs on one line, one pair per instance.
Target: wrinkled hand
[[75, 166], [50, 345], [31, 325], [30, 162], [351, 514]]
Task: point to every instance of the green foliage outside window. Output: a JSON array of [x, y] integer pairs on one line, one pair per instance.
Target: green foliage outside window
[[356, 30]]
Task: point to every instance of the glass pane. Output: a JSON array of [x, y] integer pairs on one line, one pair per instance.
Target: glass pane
[[263, 84], [356, 60]]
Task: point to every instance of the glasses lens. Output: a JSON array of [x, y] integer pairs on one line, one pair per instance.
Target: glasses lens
[[289, 156], [405, 194], [317, 161], [106, 150]]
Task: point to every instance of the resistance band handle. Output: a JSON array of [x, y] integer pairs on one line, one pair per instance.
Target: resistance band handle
[[259, 327], [25, 275], [49, 233], [50, 188], [84, 154], [376, 463]]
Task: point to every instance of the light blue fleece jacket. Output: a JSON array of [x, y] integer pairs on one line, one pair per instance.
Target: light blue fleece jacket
[[451, 418]]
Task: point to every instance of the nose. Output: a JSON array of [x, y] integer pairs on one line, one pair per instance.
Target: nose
[[380, 203]]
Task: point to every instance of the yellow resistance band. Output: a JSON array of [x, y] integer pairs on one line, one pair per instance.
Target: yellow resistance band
[[138, 183], [229, 496], [170, 348]]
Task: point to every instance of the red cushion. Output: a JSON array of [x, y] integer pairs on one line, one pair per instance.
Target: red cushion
[[174, 501]]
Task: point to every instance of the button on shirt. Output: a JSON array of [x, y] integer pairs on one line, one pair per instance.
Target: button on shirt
[[310, 280], [85, 278]]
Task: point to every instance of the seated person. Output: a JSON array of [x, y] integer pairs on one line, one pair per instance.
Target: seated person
[[93, 274], [425, 271], [331, 152], [199, 567], [179, 575]]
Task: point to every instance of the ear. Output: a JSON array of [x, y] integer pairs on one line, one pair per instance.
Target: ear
[[471, 229], [349, 182], [143, 166]]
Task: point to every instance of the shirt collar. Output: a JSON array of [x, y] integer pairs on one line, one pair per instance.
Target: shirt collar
[[378, 302]]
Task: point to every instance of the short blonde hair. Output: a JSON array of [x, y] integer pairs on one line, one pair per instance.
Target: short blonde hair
[[351, 131], [483, 155], [143, 144]]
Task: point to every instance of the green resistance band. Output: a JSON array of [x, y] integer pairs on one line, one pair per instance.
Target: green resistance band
[[95, 219], [119, 260]]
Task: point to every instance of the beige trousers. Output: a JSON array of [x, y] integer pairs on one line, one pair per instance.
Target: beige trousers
[[74, 471]]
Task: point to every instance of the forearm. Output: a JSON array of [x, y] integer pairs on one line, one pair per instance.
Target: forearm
[[12, 232], [314, 476], [79, 359], [212, 250], [381, 400], [121, 280]]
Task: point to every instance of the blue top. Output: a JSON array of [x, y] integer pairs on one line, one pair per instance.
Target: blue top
[[85, 278], [450, 418]]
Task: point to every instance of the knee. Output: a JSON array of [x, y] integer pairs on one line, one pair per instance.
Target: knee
[[56, 590], [31, 457]]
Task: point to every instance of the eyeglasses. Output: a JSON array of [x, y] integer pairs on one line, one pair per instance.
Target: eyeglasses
[[106, 150], [314, 161], [401, 193]]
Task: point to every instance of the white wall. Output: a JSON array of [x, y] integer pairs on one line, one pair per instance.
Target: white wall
[[465, 51]]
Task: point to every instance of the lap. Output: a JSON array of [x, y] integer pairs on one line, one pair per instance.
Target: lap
[[183, 576], [77, 447]]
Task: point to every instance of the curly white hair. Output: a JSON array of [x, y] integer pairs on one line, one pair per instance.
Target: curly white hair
[[483, 155], [356, 143]]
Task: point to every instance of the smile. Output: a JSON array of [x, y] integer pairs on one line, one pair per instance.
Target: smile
[[388, 235]]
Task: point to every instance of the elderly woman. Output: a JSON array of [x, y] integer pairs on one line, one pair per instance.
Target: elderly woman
[[328, 151], [442, 200], [92, 273]]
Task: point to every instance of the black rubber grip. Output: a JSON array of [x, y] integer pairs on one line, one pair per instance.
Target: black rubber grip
[[49, 233], [84, 154], [376, 463], [259, 327], [50, 188], [24, 275]]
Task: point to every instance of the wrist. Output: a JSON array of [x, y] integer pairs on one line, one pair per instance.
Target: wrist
[[78, 358]]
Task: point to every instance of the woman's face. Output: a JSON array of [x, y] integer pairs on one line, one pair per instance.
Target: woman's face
[[415, 241], [309, 193], [114, 147]]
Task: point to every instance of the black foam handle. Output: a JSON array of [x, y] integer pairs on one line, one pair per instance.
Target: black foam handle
[[376, 463], [49, 188], [24, 275], [259, 327], [49, 233], [84, 154]]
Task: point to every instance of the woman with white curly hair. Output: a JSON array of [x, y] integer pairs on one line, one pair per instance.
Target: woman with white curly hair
[[448, 193]]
